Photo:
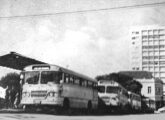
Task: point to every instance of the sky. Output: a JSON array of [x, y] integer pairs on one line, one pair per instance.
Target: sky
[[92, 43]]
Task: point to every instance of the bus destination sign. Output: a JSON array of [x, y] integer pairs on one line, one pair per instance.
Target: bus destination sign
[[41, 67]]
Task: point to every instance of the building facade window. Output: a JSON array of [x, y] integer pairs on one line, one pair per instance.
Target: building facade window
[[158, 91]]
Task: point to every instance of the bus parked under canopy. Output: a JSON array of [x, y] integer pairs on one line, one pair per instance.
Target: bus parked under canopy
[[51, 85]]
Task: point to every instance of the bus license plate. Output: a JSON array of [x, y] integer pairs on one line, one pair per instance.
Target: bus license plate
[[37, 101]]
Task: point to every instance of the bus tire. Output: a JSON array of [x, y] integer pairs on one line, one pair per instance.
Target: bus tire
[[28, 108], [89, 107], [66, 104]]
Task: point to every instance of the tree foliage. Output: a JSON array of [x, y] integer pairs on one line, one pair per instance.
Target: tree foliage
[[12, 82], [125, 81]]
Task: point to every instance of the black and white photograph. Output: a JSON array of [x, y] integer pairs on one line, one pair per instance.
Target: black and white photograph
[[82, 59]]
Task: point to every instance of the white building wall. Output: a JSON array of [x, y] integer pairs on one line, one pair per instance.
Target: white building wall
[[148, 83], [156, 93]]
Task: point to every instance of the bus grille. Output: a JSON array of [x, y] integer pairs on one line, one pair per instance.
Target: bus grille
[[105, 99], [38, 93]]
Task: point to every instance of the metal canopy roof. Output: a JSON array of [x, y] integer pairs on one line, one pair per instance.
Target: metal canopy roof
[[17, 61]]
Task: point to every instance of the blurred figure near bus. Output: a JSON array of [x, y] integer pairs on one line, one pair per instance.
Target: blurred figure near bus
[[16, 102], [10, 97], [7, 98]]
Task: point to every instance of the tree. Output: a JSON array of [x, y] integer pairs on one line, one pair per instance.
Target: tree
[[124, 80], [11, 80], [12, 84]]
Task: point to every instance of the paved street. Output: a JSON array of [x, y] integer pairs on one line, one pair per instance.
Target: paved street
[[23, 116], [17, 115]]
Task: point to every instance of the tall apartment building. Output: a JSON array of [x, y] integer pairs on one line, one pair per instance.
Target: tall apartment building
[[147, 49]]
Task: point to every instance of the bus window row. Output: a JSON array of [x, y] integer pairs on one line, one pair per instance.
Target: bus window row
[[71, 79]]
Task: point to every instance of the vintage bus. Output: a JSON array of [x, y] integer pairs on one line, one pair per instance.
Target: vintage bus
[[134, 101], [114, 95], [48, 85]]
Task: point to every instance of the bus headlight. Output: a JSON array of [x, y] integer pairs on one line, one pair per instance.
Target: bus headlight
[[53, 94], [25, 94]]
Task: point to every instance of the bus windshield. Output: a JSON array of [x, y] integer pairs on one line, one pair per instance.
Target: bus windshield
[[50, 76], [32, 77], [101, 89], [112, 89]]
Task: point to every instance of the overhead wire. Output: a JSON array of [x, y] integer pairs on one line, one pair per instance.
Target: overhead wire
[[82, 11]]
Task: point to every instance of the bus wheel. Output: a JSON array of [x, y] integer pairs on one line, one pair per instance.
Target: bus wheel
[[89, 107], [28, 108], [66, 107], [66, 104]]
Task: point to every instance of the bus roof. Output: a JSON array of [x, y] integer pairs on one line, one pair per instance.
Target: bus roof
[[58, 68], [108, 82], [111, 83]]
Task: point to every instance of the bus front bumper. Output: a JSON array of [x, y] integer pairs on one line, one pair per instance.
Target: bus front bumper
[[39, 101]]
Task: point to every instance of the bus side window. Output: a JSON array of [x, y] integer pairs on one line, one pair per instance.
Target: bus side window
[[71, 79], [95, 86], [83, 82], [66, 78], [76, 81], [89, 84], [60, 75], [86, 84], [63, 77], [80, 82]]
